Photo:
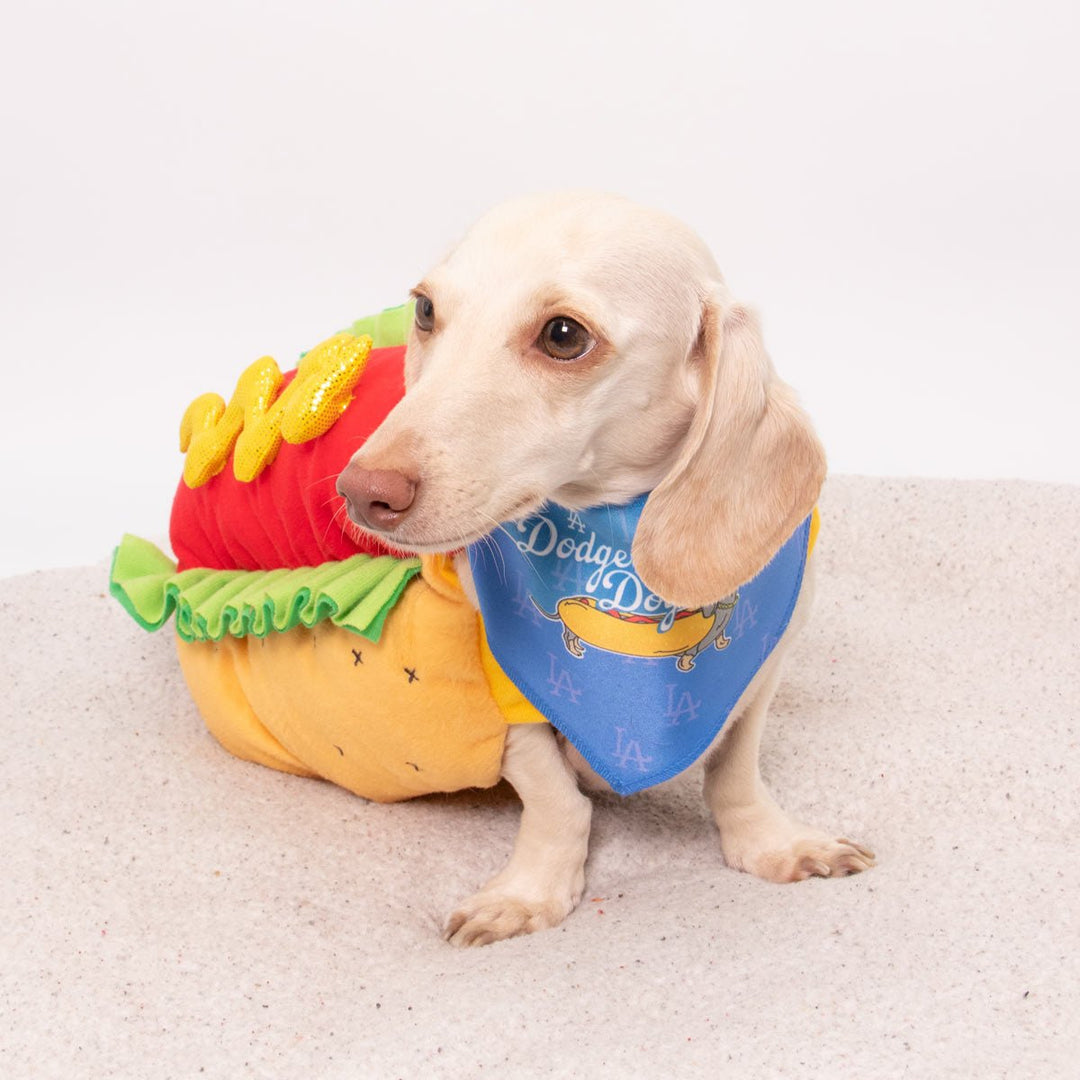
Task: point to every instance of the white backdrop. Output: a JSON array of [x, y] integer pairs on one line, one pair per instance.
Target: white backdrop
[[188, 186]]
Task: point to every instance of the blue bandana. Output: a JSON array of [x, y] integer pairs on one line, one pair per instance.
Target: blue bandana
[[639, 687]]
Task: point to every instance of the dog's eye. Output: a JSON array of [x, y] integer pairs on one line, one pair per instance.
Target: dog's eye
[[425, 313], [564, 338]]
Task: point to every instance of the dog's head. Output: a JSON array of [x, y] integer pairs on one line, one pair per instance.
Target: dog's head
[[582, 349]]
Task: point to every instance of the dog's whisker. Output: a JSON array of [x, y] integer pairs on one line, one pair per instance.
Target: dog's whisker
[[330, 523], [322, 479], [525, 555], [488, 541]]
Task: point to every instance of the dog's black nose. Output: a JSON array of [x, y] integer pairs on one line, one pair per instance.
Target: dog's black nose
[[378, 498]]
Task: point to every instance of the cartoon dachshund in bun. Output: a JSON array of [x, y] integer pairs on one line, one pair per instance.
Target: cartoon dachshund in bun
[[691, 632]]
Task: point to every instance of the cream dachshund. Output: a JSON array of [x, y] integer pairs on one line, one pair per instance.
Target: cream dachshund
[[580, 349]]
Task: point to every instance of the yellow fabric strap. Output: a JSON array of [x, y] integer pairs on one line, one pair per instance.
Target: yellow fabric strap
[[510, 700], [438, 571]]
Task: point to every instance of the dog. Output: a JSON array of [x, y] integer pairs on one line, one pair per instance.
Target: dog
[[579, 349]]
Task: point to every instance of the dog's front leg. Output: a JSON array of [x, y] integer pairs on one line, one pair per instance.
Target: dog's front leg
[[543, 881], [756, 835]]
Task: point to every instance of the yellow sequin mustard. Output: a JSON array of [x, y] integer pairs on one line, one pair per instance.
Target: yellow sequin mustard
[[256, 418]]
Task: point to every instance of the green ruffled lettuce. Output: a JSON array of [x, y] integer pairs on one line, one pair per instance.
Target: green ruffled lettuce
[[355, 594], [388, 328]]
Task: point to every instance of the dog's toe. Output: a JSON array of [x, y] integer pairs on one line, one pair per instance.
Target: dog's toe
[[826, 858], [767, 843], [489, 917]]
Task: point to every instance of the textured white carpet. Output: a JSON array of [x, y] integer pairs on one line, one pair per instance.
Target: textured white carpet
[[167, 910]]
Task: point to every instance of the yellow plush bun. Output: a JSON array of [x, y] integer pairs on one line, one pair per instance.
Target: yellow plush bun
[[408, 715]]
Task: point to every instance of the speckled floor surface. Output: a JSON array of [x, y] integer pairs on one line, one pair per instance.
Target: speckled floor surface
[[169, 911]]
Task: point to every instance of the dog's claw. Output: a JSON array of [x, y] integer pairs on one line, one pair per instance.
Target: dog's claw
[[865, 852]]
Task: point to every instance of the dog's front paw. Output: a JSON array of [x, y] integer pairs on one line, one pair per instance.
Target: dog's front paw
[[814, 857], [493, 916], [773, 846]]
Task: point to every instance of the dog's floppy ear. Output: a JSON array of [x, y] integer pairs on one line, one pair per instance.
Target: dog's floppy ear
[[750, 470]]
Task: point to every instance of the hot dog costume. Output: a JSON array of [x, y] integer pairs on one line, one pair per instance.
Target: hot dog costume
[[311, 648]]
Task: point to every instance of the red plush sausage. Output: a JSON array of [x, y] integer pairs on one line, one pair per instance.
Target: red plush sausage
[[291, 514]]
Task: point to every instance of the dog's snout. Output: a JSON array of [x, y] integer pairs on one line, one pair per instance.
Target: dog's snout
[[378, 498]]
